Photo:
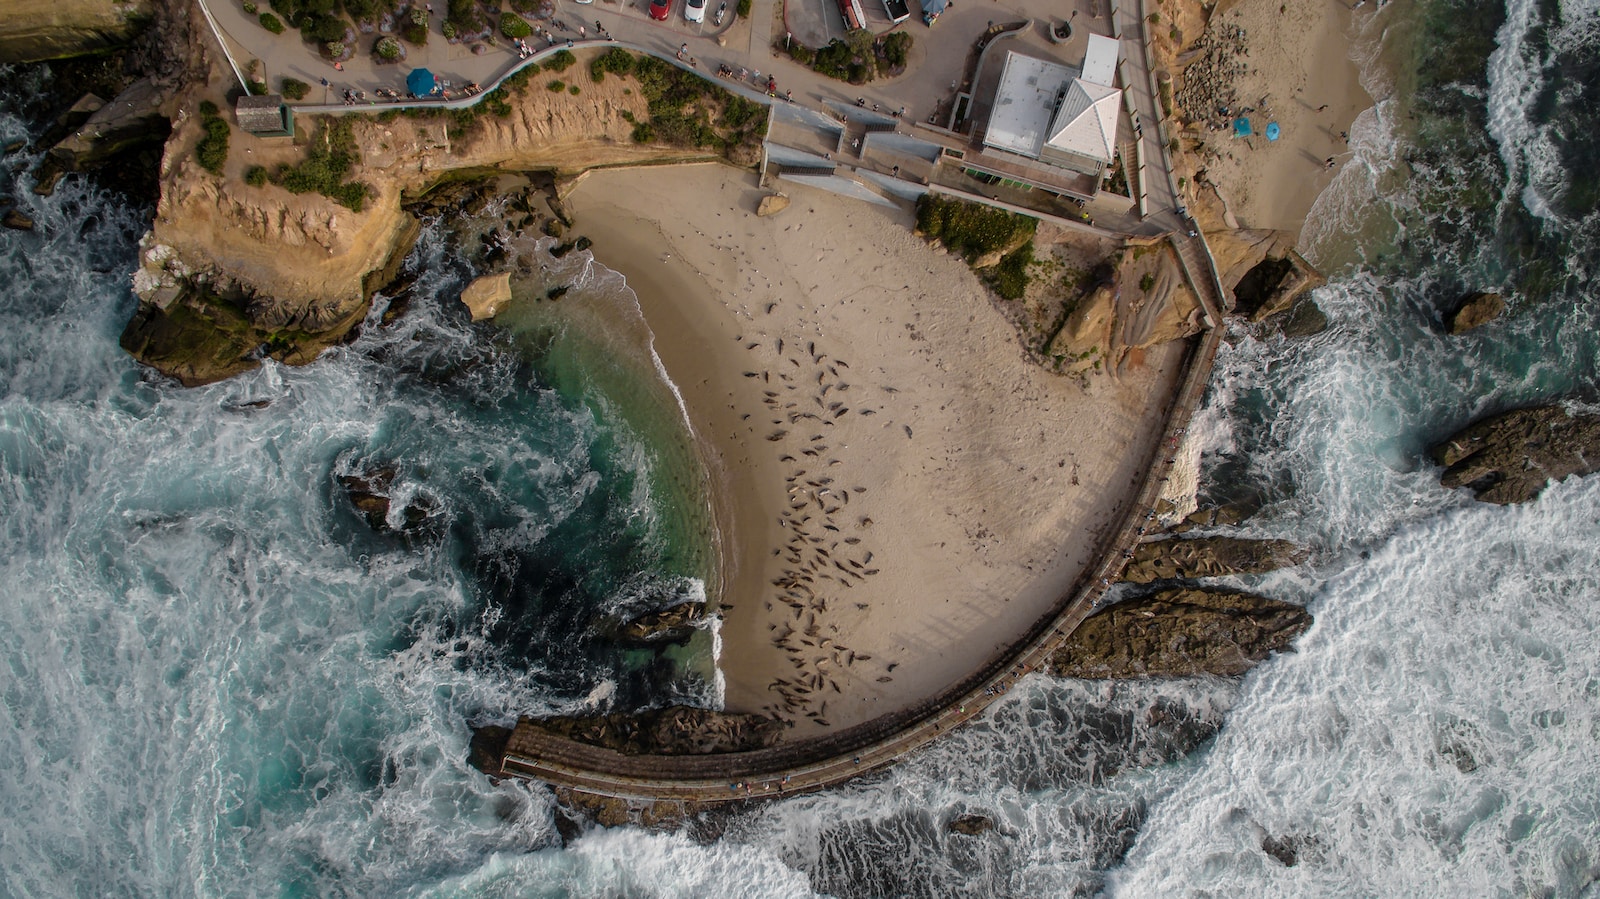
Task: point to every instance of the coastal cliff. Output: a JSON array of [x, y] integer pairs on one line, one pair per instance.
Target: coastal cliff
[[34, 30], [236, 267]]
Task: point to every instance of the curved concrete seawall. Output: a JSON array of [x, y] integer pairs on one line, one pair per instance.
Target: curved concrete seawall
[[807, 765]]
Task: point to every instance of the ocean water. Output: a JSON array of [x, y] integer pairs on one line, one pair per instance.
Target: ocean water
[[218, 681]]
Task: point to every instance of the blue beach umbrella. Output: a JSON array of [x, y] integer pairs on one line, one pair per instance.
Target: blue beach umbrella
[[1272, 131], [420, 82], [1241, 127]]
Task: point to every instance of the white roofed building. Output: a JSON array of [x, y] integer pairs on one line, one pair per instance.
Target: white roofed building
[[1049, 112]]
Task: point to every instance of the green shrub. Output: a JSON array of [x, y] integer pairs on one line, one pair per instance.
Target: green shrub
[[294, 88], [208, 108], [328, 161], [212, 151], [364, 10], [387, 49], [743, 9], [560, 62], [256, 175], [616, 60], [250, 8], [802, 54], [1010, 278], [572, 89], [897, 48], [971, 229], [334, 49], [514, 26], [1147, 282], [643, 133], [271, 22], [556, 87], [497, 102], [448, 29], [325, 29], [465, 14], [524, 6], [259, 89]]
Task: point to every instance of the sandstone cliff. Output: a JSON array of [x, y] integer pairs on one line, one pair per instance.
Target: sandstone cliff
[[34, 30], [231, 271]]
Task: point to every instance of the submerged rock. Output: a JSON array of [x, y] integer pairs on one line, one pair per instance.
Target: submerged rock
[[1180, 633], [371, 495], [1509, 458], [670, 625], [1305, 319], [1475, 310], [1209, 557], [675, 730], [16, 221], [971, 825]]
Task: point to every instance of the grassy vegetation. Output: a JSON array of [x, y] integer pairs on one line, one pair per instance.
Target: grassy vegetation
[[856, 58], [972, 229], [212, 151], [1010, 278], [560, 62], [327, 166], [689, 111], [616, 61]]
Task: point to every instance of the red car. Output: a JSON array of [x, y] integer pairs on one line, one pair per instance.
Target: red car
[[659, 9]]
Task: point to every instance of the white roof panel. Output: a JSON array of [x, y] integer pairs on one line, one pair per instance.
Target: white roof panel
[[1024, 103], [1100, 60], [1087, 123]]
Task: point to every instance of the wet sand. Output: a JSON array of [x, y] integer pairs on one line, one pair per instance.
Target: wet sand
[[900, 493]]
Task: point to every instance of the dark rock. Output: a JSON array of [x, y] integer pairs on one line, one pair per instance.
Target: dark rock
[[1474, 310], [16, 221], [583, 243], [14, 146], [1286, 850], [560, 250], [675, 730], [971, 825], [671, 625], [1225, 515], [1304, 320], [369, 493], [1180, 633], [1509, 458], [556, 293], [1209, 557]]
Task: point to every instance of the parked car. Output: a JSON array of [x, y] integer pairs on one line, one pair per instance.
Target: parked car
[[694, 10], [659, 9]]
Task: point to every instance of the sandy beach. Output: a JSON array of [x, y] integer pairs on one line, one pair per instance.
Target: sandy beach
[[900, 492], [1299, 74]]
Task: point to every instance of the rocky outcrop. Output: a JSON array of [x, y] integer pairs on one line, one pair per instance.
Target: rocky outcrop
[[302, 267], [486, 296], [1209, 557], [1475, 310], [16, 221], [122, 139], [372, 492], [1226, 514], [1509, 458], [670, 625], [971, 825], [772, 204], [1180, 633], [676, 730], [1274, 285], [34, 30], [1305, 319]]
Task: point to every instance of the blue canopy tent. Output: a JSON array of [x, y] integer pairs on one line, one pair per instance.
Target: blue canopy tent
[[1241, 127], [1273, 132], [931, 10], [420, 83]]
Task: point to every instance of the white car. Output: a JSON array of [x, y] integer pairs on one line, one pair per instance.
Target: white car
[[694, 10]]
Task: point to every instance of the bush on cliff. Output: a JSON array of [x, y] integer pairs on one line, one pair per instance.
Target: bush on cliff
[[560, 62], [327, 164], [617, 61], [1010, 277], [212, 151], [971, 229]]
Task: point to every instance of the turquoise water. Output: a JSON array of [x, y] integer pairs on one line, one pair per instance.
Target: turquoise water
[[218, 681]]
